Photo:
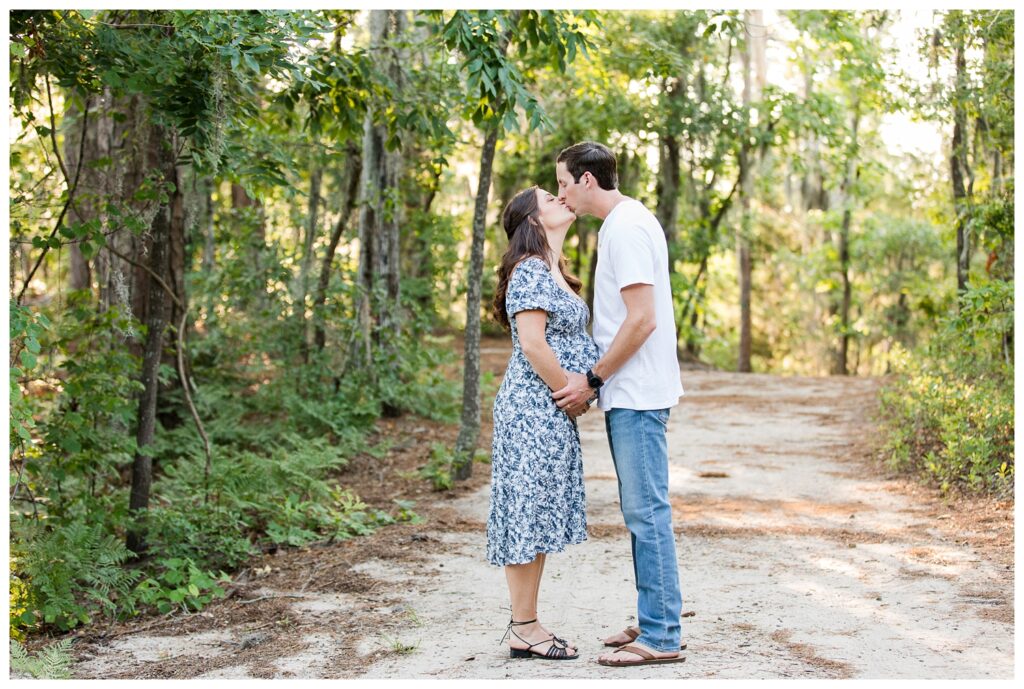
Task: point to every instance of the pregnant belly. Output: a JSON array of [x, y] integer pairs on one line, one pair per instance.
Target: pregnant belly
[[577, 355]]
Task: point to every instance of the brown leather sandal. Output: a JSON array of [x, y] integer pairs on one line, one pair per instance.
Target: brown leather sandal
[[646, 658], [633, 633]]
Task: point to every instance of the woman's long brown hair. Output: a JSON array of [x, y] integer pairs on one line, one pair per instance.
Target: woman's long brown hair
[[526, 238]]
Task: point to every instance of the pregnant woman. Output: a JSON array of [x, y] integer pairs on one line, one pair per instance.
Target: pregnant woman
[[537, 501]]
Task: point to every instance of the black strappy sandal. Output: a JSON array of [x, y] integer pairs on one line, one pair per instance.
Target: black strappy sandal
[[557, 650], [553, 636]]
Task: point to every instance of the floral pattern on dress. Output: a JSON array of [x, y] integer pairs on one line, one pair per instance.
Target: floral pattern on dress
[[538, 504]]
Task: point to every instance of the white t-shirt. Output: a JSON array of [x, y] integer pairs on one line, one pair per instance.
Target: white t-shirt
[[632, 249]]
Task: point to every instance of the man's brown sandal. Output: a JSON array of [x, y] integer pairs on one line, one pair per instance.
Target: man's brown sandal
[[633, 633], [646, 658]]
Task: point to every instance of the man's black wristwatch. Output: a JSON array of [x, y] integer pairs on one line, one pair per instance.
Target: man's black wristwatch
[[594, 380]]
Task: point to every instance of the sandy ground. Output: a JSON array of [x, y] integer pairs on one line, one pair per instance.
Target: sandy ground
[[795, 561], [798, 558]]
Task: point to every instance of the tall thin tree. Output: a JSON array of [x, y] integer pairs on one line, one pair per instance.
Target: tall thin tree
[[380, 209]]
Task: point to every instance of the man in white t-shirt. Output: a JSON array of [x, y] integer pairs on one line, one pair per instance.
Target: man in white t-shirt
[[637, 381]]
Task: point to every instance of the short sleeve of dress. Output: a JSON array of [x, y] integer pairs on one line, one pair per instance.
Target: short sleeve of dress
[[529, 288]]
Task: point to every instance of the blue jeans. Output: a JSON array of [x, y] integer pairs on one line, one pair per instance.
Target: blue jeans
[[640, 453]]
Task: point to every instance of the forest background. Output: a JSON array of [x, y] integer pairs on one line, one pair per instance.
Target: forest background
[[239, 238]]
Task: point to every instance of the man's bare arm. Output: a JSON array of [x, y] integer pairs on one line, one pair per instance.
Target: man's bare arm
[[640, 322]]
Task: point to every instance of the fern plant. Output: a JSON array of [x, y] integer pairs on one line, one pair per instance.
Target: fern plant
[[67, 568], [52, 662]]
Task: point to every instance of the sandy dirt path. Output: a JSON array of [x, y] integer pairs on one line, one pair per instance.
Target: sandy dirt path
[[795, 560], [798, 559]]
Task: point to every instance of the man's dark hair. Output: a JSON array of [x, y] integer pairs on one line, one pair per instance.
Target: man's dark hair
[[592, 157]]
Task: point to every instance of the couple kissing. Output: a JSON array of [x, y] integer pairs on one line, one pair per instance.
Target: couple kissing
[[555, 373]]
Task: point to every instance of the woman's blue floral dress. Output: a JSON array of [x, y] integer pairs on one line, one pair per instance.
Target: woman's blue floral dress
[[537, 499]]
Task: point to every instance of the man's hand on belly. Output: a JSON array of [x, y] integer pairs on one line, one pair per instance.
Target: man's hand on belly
[[575, 394]]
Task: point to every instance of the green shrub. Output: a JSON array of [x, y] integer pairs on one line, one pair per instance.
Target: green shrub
[[85, 436], [950, 413], [298, 522], [280, 436], [27, 328], [209, 533], [438, 469], [180, 583]]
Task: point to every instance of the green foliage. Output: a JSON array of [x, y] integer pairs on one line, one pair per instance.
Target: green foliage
[[429, 391], [985, 316], [27, 328], [180, 584], [300, 522], [495, 85], [399, 647], [438, 469], [405, 512], [196, 70], [279, 449], [431, 282], [52, 662], [66, 572], [285, 491], [84, 443], [993, 223], [212, 534], [950, 414], [66, 563]]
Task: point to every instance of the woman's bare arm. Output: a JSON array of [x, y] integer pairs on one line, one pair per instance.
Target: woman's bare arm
[[531, 326]]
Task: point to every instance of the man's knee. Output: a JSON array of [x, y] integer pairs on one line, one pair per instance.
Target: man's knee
[[647, 517]]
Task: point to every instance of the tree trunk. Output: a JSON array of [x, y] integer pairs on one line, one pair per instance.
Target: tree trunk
[[840, 361], [469, 430], [312, 223], [813, 194], [170, 416], [591, 277], [122, 131], [958, 162], [379, 217], [582, 237], [691, 309], [667, 209], [176, 240], [80, 274], [250, 224], [315, 181], [209, 241], [754, 77], [746, 191], [350, 194], [711, 224], [86, 202], [417, 243], [156, 321], [745, 269]]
